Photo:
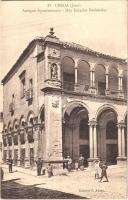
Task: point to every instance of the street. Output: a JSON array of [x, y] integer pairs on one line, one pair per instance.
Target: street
[[76, 185]]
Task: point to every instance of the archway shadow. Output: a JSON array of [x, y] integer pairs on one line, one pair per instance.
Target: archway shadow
[[13, 190]]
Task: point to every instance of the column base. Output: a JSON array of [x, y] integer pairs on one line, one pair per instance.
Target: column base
[[107, 92], [121, 95], [18, 163], [121, 161], [76, 88], [27, 163], [91, 161], [92, 90]]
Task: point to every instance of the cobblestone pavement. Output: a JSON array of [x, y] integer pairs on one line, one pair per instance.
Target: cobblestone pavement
[[75, 185]]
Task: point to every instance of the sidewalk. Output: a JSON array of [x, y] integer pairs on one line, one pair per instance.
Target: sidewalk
[[81, 184]]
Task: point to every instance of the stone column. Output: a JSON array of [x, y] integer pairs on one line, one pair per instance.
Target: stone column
[[120, 86], [76, 76], [121, 144], [95, 140], [36, 142], [27, 150], [107, 83], [13, 148], [92, 79], [7, 147], [19, 149], [76, 69], [92, 142]]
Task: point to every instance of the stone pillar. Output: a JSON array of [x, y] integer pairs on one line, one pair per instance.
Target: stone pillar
[[19, 149], [93, 78], [76, 77], [92, 88], [120, 87], [92, 142], [13, 148], [95, 140], [36, 143], [121, 159], [76, 69], [107, 83], [7, 147], [27, 150]]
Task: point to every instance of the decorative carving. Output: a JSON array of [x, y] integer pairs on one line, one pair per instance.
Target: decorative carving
[[54, 71], [55, 101], [54, 83]]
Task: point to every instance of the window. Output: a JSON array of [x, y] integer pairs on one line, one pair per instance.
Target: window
[[22, 79]]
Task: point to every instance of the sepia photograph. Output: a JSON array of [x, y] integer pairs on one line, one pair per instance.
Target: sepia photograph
[[63, 99]]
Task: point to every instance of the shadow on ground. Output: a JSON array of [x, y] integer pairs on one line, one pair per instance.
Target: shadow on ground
[[12, 190]]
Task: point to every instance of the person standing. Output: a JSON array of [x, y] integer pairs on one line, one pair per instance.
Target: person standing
[[96, 166], [10, 162], [81, 162], [49, 170], [39, 164], [69, 163], [104, 172], [76, 165]]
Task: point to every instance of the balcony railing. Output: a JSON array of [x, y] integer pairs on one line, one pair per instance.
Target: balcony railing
[[29, 94], [84, 88], [71, 86]]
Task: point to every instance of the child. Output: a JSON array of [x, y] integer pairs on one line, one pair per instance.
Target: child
[[76, 165]]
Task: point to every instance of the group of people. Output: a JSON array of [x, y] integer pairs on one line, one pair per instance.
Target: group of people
[[79, 164], [100, 170], [42, 169], [100, 167]]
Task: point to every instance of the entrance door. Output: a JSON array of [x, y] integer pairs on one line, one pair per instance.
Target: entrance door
[[84, 150], [112, 153]]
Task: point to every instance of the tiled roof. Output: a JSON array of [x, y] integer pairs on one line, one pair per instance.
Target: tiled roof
[[68, 45]]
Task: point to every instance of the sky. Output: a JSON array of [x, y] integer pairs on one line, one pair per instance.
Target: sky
[[99, 25]]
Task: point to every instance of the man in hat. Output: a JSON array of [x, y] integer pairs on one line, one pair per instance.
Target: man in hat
[[39, 164]]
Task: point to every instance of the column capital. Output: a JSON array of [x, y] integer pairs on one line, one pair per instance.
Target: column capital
[[92, 123], [92, 66], [121, 124]]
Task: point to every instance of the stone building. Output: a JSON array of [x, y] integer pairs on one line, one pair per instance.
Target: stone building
[[62, 99]]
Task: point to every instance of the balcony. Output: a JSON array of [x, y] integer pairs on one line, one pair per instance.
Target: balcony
[[70, 86], [99, 90], [29, 94]]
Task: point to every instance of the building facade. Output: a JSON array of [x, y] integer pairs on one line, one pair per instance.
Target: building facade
[[64, 99]]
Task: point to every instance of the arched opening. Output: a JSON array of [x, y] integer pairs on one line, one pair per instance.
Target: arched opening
[[107, 133], [100, 79], [76, 133], [83, 76], [68, 73], [113, 80]]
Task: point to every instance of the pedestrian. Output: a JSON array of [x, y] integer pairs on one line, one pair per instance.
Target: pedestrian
[[39, 164], [50, 170], [96, 166], [81, 162], [69, 163], [76, 165], [10, 162], [104, 172]]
